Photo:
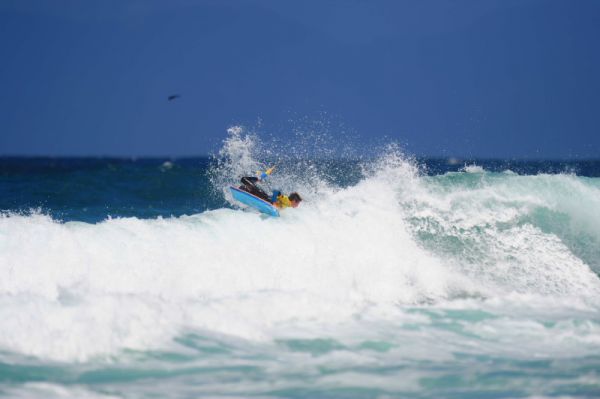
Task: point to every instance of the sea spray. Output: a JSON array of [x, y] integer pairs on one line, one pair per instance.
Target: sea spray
[[386, 281]]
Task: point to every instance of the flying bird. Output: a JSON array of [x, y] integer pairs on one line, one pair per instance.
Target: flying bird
[[173, 97]]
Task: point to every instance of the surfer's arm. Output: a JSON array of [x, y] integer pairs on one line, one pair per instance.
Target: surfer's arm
[[262, 176]]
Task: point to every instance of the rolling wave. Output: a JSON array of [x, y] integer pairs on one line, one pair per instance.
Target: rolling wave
[[395, 238]]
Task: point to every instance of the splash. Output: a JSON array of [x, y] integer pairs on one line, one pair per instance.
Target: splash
[[297, 168], [473, 168], [360, 247]]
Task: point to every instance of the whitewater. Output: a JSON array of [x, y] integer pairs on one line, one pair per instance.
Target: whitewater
[[395, 282]]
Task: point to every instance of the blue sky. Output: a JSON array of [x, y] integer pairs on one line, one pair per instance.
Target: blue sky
[[466, 78]]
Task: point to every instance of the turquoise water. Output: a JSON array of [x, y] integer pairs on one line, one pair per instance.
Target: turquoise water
[[395, 278], [438, 353]]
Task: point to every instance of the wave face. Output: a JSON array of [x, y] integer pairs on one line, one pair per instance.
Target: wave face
[[385, 265]]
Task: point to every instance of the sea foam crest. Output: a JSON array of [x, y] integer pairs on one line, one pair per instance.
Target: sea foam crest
[[395, 238], [473, 168]]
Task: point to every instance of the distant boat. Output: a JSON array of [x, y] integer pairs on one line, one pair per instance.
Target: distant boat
[[173, 97]]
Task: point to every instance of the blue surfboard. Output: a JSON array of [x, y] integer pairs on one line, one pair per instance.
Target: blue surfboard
[[253, 201]]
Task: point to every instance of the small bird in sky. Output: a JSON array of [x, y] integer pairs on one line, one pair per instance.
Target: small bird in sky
[[173, 97]]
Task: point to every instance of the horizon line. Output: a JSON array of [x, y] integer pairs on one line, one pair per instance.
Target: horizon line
[[454, 158]]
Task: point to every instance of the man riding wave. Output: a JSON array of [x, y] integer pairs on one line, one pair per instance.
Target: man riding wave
[[279, 200]]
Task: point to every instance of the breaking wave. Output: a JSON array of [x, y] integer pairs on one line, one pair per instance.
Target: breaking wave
[[392, 237]]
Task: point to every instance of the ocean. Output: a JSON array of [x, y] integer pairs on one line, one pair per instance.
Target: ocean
[[397, 277]]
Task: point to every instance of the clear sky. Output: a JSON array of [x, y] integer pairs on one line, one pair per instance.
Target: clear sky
[[476, 78]]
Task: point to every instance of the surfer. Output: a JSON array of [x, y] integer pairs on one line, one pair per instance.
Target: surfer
[[277, 198], [286, 201]]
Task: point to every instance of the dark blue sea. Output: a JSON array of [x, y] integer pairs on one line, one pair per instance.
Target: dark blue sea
[[397, 277], [94, 189]]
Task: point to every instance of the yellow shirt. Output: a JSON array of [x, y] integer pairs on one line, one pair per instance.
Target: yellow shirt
[[283, 201]]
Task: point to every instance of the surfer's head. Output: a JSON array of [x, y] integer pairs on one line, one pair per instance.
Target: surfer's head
[[295, 199]]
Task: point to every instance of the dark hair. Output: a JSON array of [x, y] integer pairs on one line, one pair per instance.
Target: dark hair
[[295, 197]]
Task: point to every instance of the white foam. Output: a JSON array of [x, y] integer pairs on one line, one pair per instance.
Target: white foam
[[73, 291], [53, 391], [473, 169]]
